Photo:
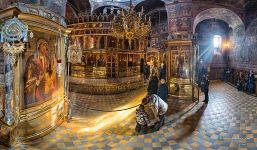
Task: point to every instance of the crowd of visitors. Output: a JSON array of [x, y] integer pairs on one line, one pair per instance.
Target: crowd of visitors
[[154, 87], [158, 107], [156, 99], [243, 80]]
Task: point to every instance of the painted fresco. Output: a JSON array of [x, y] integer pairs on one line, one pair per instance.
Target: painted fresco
[[40, 78], [4, 4], [245, 53], [179, 17], [57, 6]]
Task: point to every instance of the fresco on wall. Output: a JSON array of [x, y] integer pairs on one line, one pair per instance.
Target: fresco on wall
[[251, 42], [179, 17], [245, 53], [40, 79], [4, 4], [57, 6]]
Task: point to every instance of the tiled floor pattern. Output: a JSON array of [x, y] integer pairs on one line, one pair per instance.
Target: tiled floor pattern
[[84, 106], [227, 122]]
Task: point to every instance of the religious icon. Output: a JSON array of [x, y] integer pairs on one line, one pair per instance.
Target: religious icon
[[179, 63], [40, 75], [101, 61], [184, 23], [173, 25]]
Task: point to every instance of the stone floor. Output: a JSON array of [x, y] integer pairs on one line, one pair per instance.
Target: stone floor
[[227, 122]]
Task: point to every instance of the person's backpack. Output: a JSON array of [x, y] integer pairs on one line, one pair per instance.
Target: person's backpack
[[161, 110]]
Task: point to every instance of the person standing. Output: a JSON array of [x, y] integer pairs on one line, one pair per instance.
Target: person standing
[[206, 89], [147, 71], [251, 82], [162, 74], [163, 91], [153, 85], [154, 70]]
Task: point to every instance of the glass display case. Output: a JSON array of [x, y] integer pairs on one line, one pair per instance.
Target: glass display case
[[181, 72]]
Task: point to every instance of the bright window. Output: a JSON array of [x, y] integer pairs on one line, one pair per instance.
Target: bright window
[[217, 41]]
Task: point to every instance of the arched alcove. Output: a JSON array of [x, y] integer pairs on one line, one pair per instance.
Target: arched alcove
[[237, 36], [224, 14]]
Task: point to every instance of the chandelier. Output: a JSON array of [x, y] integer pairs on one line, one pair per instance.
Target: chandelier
[[131, 24]]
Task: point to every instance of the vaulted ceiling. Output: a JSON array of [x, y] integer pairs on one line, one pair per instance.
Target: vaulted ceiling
[[88, 5], [80, 5]]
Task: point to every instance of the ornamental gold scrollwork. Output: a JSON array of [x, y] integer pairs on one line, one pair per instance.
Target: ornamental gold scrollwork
[[13, 31], [13, 49], [13, 34]]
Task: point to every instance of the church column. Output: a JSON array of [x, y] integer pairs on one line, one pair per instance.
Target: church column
[[8, 90]]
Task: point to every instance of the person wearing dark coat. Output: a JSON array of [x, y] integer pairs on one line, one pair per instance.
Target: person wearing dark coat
[[153, 85], [162, 74], [163, 91], [251, 82], [147, 71], [206, 89]]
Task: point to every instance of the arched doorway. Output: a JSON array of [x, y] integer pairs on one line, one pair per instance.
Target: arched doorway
[[236, 35], [212, 39], [224, 14]]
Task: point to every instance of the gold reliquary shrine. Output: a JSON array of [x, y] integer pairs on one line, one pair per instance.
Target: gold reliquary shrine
[[110, 63], [33, 69], [181, 69]]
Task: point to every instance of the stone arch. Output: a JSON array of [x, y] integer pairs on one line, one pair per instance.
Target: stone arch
[[95, 6], [237, 35], [224, 14], [148, 5], [139, 1]]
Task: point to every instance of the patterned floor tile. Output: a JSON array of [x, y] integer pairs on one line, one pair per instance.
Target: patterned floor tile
[[227, 122]]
